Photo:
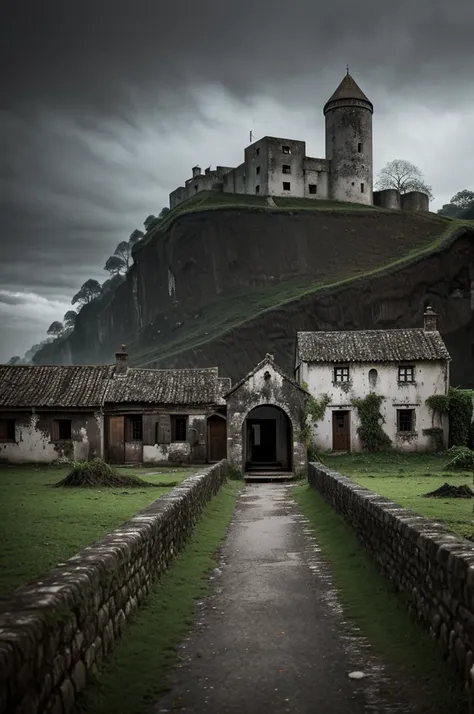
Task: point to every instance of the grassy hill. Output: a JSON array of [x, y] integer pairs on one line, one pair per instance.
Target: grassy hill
[[354, 242]]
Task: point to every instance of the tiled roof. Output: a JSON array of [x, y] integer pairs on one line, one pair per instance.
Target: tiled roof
[[348, 89], [371, 346], [52, 386], [165, 386]]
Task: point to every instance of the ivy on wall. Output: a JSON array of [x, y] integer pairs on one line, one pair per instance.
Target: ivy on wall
[[457, 404], [436, 435], [370, 430], [314, 412]]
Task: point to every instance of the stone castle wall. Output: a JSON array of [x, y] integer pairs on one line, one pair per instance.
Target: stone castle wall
[[431, 566], [56, 630]]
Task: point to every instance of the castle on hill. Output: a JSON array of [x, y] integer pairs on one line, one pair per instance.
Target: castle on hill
[[279, 167]]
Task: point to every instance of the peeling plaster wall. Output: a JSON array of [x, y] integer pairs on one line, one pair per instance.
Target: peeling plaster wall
[[193, 450], [430, 378], [33, 438], [256, 391], [177, 451]]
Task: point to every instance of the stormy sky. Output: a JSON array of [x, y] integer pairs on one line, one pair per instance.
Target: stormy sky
[[105, 105]]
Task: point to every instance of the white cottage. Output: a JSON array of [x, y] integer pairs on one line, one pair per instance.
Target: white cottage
[[403, 366]]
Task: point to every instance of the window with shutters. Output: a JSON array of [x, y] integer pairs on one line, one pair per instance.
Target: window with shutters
[[179, 428], [7, 430], [62, 430]]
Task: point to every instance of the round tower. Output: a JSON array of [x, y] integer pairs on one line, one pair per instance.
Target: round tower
[[349, 143]]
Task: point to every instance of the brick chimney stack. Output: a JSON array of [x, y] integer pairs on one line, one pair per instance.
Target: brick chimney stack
[[431, 320], [121, 361]]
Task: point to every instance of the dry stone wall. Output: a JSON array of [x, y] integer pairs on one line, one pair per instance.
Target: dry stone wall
[[56, 630], [431, 566]]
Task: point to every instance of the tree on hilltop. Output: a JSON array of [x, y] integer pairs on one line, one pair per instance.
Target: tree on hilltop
[[14, 360], [135, 236], [460, 206], [149, 220], [404, 176], [90, 291], [55, 328]]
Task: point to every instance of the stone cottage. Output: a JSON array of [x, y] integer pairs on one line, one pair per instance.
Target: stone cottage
[[403, 366], [265, 419], [121, 414]]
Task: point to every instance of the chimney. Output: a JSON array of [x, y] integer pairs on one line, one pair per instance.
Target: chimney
[[121, 361], [431, 320]]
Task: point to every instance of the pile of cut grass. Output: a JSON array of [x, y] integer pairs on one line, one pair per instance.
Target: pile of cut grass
[[98, 474]]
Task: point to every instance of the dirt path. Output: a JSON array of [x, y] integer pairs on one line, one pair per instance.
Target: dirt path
[[271, 637]]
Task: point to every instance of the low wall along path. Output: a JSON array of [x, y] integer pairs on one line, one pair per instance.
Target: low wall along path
[[431, 566], [53, 631]]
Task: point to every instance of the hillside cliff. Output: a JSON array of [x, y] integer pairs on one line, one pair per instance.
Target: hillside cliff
[[224, 284]]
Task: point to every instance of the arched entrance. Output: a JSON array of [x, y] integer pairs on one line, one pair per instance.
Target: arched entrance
[[267, 439]]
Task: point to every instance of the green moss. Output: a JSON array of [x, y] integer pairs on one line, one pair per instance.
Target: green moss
[[134, 675], [370, 601]]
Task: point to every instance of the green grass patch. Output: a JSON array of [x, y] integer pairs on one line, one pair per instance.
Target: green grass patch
[[41, 526], [134, 675], [405, 478], [370, 601]]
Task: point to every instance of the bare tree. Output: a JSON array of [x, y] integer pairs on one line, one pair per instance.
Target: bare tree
[[404, 176]]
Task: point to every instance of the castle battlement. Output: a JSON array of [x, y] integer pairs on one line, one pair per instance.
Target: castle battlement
[[275, 166]]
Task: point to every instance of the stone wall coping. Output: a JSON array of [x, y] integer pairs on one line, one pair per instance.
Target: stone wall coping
[[432, 566], [52, 628]]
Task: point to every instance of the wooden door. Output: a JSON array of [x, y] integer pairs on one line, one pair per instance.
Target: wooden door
[[116, 440], [341, 440], [217, 438]]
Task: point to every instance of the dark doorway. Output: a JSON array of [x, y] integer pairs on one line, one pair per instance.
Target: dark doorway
[[341, 437], [217, 438], [267, 434]]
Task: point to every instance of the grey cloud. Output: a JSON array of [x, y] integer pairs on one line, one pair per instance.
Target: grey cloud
[[105, 106]]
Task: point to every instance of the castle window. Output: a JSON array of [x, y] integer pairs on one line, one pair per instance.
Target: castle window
[[286, 169], [257, 151], [312, 188], [362, 188], [257, 170], [286, 186], [195, 188], [285, 150], [359, 148], [257, 189]]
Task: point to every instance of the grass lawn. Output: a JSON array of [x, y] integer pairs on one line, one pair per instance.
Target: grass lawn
[[370, 601], [404, 478], [134, 675], [41, 526]]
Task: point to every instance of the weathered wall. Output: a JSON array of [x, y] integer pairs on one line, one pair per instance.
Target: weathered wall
[[259, 391], [34, 438], [415, 201], [54, 632], [158, 443], [388, 198], [348, 125], [431, 566], [430, 378]]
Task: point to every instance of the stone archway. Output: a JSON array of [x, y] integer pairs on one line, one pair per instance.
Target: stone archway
[[267, 440]]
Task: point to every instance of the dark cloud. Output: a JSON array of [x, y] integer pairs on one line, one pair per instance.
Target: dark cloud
[[106, 103]]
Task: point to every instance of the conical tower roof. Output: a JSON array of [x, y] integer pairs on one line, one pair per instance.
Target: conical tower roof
[[348, 89]]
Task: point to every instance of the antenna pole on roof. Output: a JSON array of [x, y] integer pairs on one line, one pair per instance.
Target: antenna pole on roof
[[347, 68]]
